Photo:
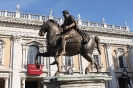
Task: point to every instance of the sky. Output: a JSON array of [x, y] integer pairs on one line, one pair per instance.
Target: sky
[[114, 12]]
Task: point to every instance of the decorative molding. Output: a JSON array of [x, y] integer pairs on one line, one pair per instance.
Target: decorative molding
[[20, 21], [16, 38], [104, 31], [35, 24], [108, 35], [107, 45], [6, 78], [107, 41], [34, 42], [119, 49], [25, 34]]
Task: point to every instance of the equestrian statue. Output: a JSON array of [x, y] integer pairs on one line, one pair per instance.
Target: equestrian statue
[[68, 40]]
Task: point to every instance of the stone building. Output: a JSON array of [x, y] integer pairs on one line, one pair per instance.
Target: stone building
[[19, 43]]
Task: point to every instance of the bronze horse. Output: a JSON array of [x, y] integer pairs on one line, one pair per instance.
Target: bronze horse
[[74, 45]]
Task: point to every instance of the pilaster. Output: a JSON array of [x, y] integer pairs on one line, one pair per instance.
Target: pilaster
[[17, 14], [130, 50], [16, 60], [6, 82], [23, 82], [2, 55], [24, 56], [111, 66], [117, 57]]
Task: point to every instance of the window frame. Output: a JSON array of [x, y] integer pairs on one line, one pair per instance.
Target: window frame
[[33, 54], [95, 52], [2, 44]]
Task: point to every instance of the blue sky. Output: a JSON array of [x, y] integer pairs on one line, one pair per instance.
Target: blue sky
[[113, 11]]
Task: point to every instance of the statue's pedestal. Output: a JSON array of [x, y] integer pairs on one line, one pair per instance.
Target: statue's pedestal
[[76, 81]]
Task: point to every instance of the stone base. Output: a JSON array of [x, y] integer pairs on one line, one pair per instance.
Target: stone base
[[76, 81]]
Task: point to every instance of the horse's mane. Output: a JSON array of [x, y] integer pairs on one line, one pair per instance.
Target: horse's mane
[[55, 22]]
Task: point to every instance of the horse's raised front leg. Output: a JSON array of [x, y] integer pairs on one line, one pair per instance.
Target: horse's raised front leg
[[58, 67], [46, 54]]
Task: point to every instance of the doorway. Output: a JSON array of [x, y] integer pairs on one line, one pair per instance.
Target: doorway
[[124, 82], [2, 84], [31, 84]]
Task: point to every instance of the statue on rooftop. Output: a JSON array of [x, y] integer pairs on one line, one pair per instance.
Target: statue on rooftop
[[17, 7]]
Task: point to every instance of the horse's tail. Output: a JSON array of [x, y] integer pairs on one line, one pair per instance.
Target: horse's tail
[[97, 40]]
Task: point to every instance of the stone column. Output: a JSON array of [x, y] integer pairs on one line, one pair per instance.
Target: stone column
[[23, 82], [16, 60], [6, 82], [111, 66]]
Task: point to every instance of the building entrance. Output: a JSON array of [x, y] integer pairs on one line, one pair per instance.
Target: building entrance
[[124, 82], [1, 84], [31, 84]]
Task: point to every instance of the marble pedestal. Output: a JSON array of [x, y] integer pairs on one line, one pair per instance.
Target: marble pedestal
[[76, 81]]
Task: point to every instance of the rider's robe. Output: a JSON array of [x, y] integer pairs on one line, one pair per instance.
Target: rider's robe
[[68, 22]]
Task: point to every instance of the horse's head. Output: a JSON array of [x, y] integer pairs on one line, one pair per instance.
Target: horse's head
[[43, 29], [50, 26]]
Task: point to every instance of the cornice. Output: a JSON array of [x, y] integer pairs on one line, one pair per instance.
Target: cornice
[[107, 31], [23, 34], [108, 35], [20, 20], [35, 35], [35, 24], [120, 42]]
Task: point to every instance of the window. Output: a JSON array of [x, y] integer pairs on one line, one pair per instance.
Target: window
[[121, 64], [1, 53], [68, 61], [33, 50], [121, 59], [96, 57]]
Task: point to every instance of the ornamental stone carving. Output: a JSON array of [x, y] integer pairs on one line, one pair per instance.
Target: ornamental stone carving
[[107, 45], [16, 38]]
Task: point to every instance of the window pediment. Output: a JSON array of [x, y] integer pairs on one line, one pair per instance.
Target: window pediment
[[33, 42]]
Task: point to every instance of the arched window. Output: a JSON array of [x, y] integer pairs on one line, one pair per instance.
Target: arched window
[[33, 50]]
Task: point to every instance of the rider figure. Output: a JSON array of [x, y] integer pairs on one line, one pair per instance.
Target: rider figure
[[69, 26], [68, 29]]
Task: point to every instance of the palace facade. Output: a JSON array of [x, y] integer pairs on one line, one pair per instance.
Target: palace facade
[[19, 43]]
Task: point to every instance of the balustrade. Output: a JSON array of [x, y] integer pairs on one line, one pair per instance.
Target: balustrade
[[2, 13], [11, 14], [60, 20], [24, 15]]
